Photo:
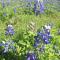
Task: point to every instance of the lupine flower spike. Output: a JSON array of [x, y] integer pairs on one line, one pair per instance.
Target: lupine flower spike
[[31, 56], [3, 3], [41, 7], [9, 30]]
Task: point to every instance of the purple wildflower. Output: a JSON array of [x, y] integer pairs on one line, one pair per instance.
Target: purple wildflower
[[36, 45], [45, 39], [35, 10], [31, 56], [9, 30], [3, 4], [1, 44], [41, 7], [37, 39], [8, 45], [36, 42]]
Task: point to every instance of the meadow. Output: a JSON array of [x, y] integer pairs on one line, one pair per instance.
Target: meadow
[[25, 35]]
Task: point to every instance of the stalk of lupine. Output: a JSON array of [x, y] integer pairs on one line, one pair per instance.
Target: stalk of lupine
[[3, 4], [41, 7], [9, 30], [36, 4], [31, 56]]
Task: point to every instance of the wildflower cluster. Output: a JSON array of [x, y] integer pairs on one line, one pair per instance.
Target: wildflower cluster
[[43, 37], [8, 45]]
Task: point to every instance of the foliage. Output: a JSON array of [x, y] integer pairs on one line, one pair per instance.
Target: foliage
[[17, 40]]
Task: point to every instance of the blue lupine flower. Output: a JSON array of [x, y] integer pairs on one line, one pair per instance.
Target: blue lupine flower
[[36, 5], [41, 7], [3, 4], [36, 45], [36, 42], [47, 31], [45, 38], [1, 44], [8, 45], [35, 10], [40, 4], [46, 41], [37, 39], [9, 30], [49, 37], [31, 56], [40, 34]]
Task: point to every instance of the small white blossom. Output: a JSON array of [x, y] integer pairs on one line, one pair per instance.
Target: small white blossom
[[48, 27]]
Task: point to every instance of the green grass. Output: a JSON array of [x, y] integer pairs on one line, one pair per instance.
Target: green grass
[[24, 40], [21, 21]]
